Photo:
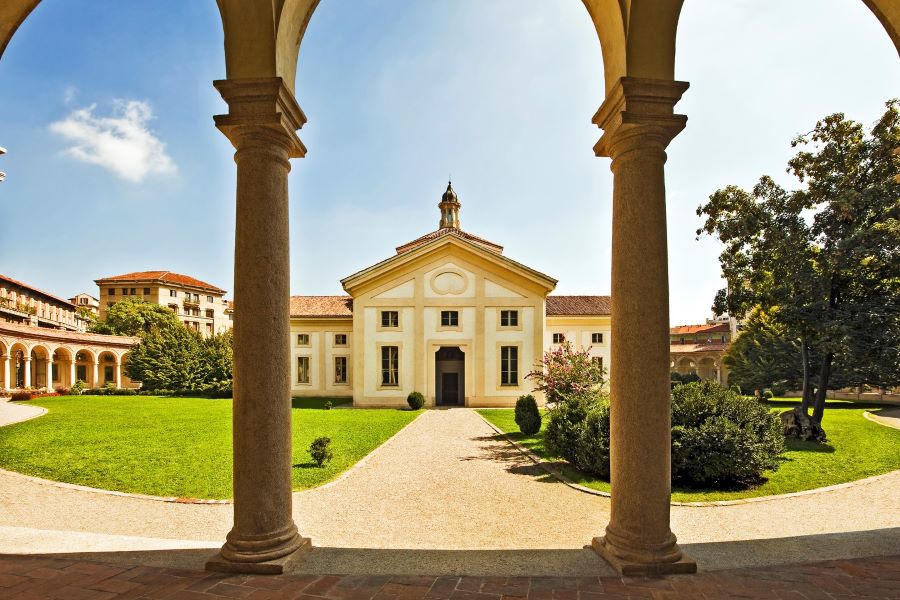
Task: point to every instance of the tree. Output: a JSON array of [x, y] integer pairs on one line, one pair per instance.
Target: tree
[[764, 355], [134, 316], [566, 371], [169, 358], [824, 259]]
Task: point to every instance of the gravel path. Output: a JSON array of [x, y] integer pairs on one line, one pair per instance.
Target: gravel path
[[13, 413], [887, 416], [446, 495]]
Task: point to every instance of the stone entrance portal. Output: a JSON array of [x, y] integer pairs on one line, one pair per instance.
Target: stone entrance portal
[[449, 376]]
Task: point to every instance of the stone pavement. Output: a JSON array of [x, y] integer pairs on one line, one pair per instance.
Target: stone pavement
[[13, 413], [447, 496], [41, 578]]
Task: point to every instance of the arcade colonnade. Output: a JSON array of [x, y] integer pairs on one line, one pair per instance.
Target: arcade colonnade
[[39, 357], [637, 40]]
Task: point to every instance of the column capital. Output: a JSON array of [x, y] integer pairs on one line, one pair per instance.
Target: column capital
[[261, 106], [639, 109]]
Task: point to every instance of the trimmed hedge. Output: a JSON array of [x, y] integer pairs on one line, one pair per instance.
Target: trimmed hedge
[[528, 417], [415, 400]]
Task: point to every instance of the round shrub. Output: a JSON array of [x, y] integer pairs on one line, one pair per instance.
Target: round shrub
[[21, 396], [720, 438], [562, 435], [415, 400], [77, 388], [528, 417], [320, 450]]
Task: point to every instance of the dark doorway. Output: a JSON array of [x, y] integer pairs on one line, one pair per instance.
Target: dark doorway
[[449, 370]]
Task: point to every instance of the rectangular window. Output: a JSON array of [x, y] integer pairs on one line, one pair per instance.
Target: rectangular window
[[209, 299], [302, 369], [449, 318], [509, 318], [81, 373], [112, 291], [108, 376], [390, 318], [124, 291], [597, 360], [340, 339], [173, 293], [559, 338], [174, 308], [390, 365], [303, 339], [210, 313], [209, 328], [596, 338], [340, 369], [509, 365], [133, 292], [146, 291], [196, 297]]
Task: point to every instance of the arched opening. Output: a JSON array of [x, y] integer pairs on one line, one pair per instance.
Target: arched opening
[[63, 368], [86, 368], [109, 370], [707, 369], [41, 367]]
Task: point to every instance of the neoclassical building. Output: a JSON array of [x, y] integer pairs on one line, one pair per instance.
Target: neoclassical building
[[699, 349], [449, 315], [201, 306], [261, 44]]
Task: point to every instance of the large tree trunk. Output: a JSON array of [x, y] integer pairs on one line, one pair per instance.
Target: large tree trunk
[[807, 386], [822, 389]]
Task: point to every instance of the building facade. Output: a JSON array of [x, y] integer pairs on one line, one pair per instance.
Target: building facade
[[200, 305], [23, 304], [448, 316], [699, 349]]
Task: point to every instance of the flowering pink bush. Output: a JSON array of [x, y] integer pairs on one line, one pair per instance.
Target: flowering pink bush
[[565, 371]]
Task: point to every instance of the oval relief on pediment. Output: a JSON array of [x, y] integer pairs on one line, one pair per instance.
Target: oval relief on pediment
[[448, 282]]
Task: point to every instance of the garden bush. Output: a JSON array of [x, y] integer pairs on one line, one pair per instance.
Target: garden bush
[[62, 391], [566, 419], [528, 417], [21, 396], [328, 405], [320, 450], [720, 438], [77, 388], [415, 400]]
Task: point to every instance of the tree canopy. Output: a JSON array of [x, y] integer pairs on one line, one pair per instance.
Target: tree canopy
[[135, 316], [821, 261]]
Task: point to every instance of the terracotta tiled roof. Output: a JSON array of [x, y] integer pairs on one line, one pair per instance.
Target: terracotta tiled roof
[[322, 306], [689, 348], [578, 306], [705, 328], [164, 277], [36, 290], [449, 231]]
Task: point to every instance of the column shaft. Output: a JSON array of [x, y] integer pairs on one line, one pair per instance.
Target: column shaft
[[638, 122], [261, 124], [27, 361], [95, 381], [6, 383]]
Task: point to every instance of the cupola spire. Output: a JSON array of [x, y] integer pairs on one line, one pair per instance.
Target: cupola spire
[[449, 206]]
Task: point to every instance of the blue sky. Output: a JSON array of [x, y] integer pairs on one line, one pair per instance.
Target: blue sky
[[114, 165]]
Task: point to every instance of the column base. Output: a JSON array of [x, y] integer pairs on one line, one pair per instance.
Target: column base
[[275, 566], [684, 565]]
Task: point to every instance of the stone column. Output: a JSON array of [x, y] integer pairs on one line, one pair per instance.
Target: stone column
[[71, 381], [6, 384], [95, 382], [27, 361], [261, 123], [118, 373], [638, 123]]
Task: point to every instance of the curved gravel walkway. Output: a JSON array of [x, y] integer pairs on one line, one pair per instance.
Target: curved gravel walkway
[[448, 495], [14, 413]]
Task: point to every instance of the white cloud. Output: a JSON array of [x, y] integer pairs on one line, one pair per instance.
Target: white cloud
[[120, 142]]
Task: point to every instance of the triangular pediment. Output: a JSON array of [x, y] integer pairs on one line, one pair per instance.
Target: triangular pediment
[[451, 248]]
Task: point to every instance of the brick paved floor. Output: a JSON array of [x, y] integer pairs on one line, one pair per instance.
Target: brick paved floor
[[39, 578]]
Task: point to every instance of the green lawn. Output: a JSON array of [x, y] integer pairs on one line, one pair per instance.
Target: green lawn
[[176, 446], [856, 448]]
